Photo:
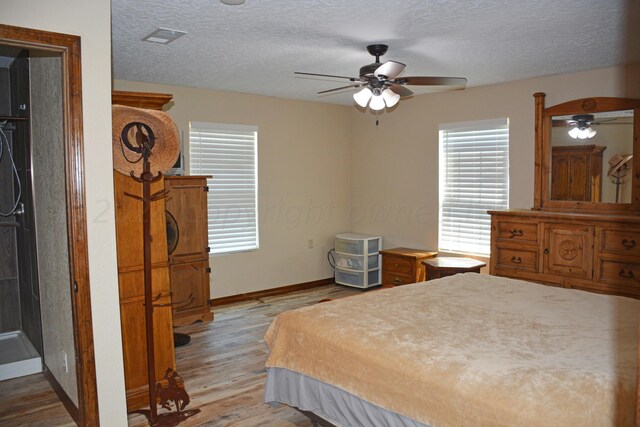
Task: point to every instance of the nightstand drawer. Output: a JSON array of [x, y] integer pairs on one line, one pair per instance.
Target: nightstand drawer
[[401, 266], [397, 265], [389, 278]]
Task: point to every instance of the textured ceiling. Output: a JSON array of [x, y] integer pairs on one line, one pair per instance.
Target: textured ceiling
[[256, 47]]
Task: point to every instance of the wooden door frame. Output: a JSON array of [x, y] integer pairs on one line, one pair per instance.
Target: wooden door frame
[[68, 47]]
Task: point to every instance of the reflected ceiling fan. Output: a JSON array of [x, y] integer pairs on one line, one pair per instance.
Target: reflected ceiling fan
[[380, 82], [581, 125]]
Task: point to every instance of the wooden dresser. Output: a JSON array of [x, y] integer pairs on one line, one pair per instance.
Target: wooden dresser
[[575, 242], [599, 253], [401, 266], [129, 241], [189, 249]]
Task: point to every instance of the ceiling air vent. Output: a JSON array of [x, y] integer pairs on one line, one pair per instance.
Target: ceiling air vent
[[164, 35]]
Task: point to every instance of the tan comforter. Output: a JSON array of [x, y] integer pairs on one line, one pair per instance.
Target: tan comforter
[[472, 350]]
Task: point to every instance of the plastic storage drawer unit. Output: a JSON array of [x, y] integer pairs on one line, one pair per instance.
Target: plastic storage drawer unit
[[358, 260]]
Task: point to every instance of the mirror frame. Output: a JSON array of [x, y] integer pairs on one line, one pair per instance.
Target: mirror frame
[[542, 166]]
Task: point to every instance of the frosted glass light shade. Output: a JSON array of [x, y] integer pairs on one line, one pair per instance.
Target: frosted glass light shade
[[577, 133], [573, 133], [591, 132], [377, 103], [362, 98], [390, 97]]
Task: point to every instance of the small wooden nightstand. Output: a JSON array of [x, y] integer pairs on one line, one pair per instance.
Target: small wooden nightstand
[[448, 266], [401, 266]]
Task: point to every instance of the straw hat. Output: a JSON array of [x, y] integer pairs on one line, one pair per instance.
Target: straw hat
[[167, 141], [616, 161]]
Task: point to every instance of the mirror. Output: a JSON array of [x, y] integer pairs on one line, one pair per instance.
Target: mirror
[[590, 157], [587, 155]]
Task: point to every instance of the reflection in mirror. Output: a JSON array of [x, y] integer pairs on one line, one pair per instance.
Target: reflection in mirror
[[590, 157]]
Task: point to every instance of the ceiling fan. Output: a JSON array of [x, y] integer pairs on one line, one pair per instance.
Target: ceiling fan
[[382, 86], [582, 125]]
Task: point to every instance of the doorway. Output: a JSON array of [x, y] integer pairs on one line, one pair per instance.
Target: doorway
[[42, 190], [21, 346]]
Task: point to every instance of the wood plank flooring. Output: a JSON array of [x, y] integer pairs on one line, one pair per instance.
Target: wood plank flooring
[[223, 367], [30, 401]]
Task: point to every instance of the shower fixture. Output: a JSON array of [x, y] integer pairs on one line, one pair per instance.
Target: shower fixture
[[5, 140]]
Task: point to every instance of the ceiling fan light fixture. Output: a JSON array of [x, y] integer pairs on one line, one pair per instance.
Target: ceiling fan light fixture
[[582, 133], [362, 97], [590, 132], [573, 133], [390, 97], [377, 103], [233, 2]]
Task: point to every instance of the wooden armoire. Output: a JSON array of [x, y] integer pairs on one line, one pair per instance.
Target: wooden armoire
[[576, 173], [129, 241], [189, 248]]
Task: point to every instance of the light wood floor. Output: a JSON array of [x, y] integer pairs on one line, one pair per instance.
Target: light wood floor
[[223, 369], [30, 401]]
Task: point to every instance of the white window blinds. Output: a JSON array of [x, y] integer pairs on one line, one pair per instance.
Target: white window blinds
[[474, 178], [230, 154]]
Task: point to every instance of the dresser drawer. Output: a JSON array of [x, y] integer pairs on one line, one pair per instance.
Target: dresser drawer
[[394, 264], [625, 242], [394, 279], [518, 258], [625, 274], [517, 231]]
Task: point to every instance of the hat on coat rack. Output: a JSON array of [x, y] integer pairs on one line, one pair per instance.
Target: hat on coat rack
[[165, 151], [617, 161]]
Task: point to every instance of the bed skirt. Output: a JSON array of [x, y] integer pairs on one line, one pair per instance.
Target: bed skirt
[[340, 408]]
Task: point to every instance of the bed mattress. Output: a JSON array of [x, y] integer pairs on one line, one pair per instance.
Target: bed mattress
[[471, 349]]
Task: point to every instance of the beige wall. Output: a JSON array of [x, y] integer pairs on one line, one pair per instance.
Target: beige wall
[[394, 167], [326, 169], [91, 20], [303, 182]]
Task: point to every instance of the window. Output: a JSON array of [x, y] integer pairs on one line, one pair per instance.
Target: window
[[474, 178], [230, 154]]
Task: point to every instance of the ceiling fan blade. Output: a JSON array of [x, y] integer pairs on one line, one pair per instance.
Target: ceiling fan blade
[[389, 70], [340, 88], [399, 89], [353, 79], [556, 123], [459, 82]]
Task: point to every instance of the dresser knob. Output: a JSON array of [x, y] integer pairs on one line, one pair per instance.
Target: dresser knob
[[546, 251], [516, 260], [628, 244]]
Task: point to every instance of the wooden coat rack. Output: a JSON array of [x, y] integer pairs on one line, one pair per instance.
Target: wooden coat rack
[[174, 391]]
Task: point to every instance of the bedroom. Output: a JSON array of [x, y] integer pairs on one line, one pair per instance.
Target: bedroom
[[364, 152]]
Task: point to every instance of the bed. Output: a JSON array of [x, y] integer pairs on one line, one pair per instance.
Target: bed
[[468, 349]]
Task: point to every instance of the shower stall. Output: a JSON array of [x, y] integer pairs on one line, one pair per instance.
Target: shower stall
[[36, 323], [20, 321]]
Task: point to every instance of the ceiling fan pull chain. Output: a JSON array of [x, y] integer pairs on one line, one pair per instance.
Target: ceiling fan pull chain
[[377, 121]]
